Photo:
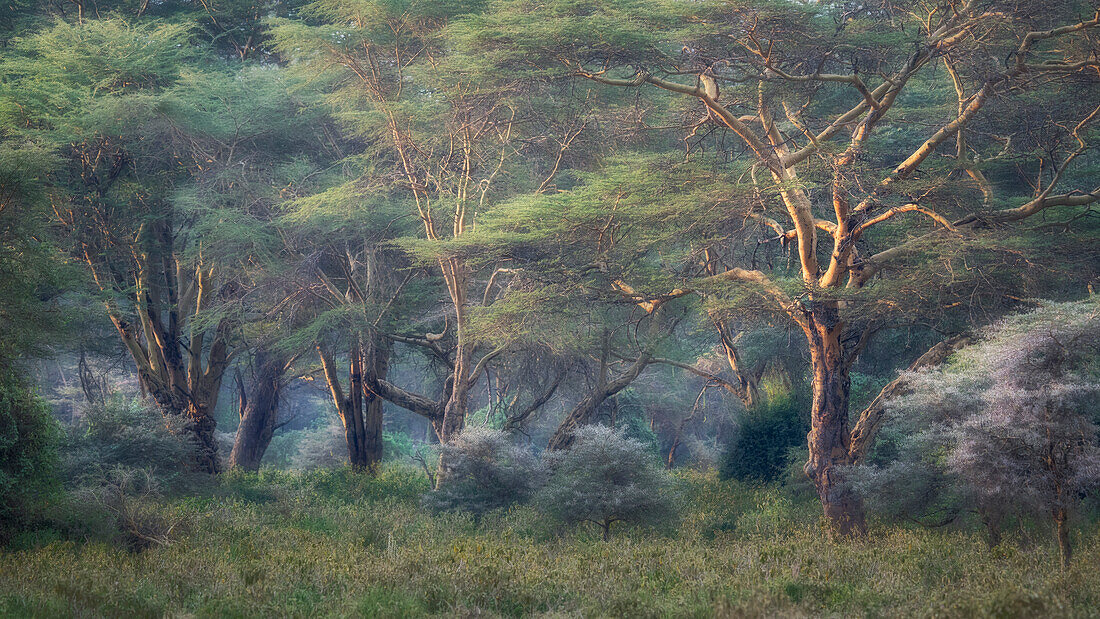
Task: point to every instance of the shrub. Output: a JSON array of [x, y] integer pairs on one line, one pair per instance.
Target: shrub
[[760, 447], [485, 471], [131, 498], [1008, 426], [604, 478], [28, 452], [126, 434], [320, 447]]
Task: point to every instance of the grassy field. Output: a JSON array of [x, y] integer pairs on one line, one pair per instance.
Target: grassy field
[[333, 543]]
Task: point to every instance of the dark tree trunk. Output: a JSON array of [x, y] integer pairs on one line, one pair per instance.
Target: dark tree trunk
[[583, 413], [360, 409], [200, 424], [585, 410], [376, 361], [203, 428], [829, 438], [259, 412], [992, 521]]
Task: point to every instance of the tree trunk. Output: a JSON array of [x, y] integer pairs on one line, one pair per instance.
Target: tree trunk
[[376, 363], [456, 276], [748, 379], [828, 438], [582, 414], [203, 427], [259, 412], [360, 409], [585, 410], [991, 518], [1061, 532], [199, 422]]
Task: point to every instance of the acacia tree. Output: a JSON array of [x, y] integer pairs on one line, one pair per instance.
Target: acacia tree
[[124, 231], [161, 163], [441, 144], [811, 92]]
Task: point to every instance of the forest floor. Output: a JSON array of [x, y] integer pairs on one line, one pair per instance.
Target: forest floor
[[333, 543]]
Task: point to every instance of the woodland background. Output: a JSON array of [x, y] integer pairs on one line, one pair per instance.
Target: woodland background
[[399, 307]]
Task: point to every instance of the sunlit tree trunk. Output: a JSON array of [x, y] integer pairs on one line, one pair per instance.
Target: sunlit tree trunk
[[829, 438], [456, 407]]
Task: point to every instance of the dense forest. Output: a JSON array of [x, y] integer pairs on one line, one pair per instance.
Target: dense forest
[[566, 307]]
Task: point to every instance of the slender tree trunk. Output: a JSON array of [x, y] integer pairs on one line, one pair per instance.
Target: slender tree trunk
[[456, 406], [585, 410], [748, 379], [829, 438], [671, 461], [1061, 532], [259, 412]]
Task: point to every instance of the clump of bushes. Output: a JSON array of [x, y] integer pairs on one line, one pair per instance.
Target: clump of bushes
[[28, 452], [1007, 428], [603, 478], [485, 471], [127, 434], [131, 498], [121, 460], [759, 450]]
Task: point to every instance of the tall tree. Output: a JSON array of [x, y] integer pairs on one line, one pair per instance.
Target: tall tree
[[441, 144], [157, 154], [811, 92]]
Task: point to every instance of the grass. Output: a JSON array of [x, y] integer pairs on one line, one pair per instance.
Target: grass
[[333, 543]]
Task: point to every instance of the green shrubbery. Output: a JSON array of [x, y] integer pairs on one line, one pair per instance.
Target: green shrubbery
[[127, 434], [28, 452], [121, 464], [339, 543], [485, 471], [603, 478], [761, 446]]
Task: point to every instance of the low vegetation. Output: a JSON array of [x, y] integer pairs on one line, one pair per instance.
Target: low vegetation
[[335, 542]]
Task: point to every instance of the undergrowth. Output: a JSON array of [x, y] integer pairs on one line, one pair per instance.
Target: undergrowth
[[337, 543]]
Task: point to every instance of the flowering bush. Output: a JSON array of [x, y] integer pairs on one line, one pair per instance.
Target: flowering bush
[[485, 471], [604, 478], [1007, 427]]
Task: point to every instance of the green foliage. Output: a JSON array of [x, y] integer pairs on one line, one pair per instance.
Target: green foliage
[[633, 420], [29, 439], [126, 435], [760, 447]]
